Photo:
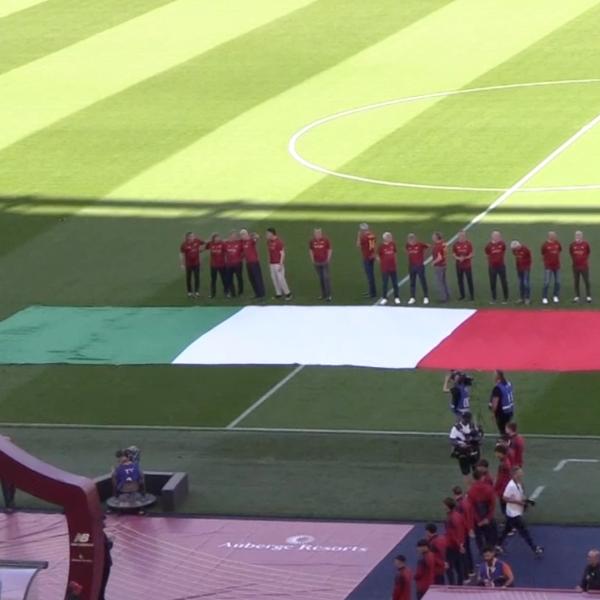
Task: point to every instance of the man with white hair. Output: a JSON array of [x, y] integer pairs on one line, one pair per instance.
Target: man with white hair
[[367, 242], [551, 250], [386, 254], [580, 251], [523, 263]]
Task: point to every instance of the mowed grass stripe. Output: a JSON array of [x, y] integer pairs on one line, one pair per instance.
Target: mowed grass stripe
[[443, 50], [54, 24], [109, 62], [147, 123], [8, 7]]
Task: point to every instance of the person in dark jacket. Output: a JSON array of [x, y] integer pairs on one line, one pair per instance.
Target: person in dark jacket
[[591, 575]]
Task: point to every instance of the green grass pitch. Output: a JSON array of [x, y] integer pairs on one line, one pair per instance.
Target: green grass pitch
[[123, 125]]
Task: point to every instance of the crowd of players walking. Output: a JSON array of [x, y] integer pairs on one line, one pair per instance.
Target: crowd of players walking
[[470, 550], [228, 256]]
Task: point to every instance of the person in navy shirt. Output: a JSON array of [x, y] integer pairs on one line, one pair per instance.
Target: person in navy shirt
[[502, 402], [458, 385]]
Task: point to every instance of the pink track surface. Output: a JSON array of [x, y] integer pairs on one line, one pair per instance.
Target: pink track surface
[[188, 558], [521, 340], [466, 593]]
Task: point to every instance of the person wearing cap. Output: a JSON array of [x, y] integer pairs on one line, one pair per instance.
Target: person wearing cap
[[522, 256], [367, 243]]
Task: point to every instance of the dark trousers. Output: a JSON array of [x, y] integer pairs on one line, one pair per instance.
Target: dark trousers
[[519, 524], [439, 580], [387, 277], [413, 273], [456, 566], [369, 265], [192, 273], [256, 279], [234, 272], [502, 419], [214, 272], [486, 535], [322, 270], [495, 273], [578, 275], [469, 564], [104, 583], [8, 492], [524, 285], [461, 275]]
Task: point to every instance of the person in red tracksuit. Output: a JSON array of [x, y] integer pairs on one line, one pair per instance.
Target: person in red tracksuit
[[456, 534], [402, 580], [483, 466], [425, 571], [464, 508], [503, 475], [516, 445], [437, 545], [482, 497]]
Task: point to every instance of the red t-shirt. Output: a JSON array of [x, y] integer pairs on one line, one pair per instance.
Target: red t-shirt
[[320, 249], [523, 256], [551, 254], [495, 253], [437, 546], [233, 252], [275, 247], [482, 498], [416, 253], [456, 529], [580, 252], [249, 250], [217, 254], [387, 256], [368, 244], [463, 249], [402, 584], [503, 476], [516, 450], [439, 254], [425, 572], [191, 252]]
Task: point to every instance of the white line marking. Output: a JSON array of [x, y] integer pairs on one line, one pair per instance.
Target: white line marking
[[537, 492], [293, 150], [562, 463], [265, 396]]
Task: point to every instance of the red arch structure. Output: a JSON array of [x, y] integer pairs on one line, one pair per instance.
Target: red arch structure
[[79, 499]]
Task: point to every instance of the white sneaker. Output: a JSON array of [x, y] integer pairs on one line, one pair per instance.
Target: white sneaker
[[383, 301], [544, 300], [396, 300], [425, 300], [555, 299], [576, 299], [412, 301], [588, 299]]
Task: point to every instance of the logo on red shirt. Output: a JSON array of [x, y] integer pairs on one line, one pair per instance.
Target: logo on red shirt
[[580, 252], [387, 256], [320, 249], [191, 251], [495, 253], [416, 253], [368, 243], [275, 247], [551, 254]]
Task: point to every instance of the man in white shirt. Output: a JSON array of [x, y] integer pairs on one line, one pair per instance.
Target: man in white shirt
[[516, 504]]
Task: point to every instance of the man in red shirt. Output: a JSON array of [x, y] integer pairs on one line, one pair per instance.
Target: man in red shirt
[[503, 474], [551, 250], [319, 250], [250, 254], [465, 510], [456, 534], [402, 580], [386, 254], [216, 247], [482, 498], [277, 264], [416, 267], [580, 252], [189, 254], [523, 262], [425, 571], [438, 546], [495, 251], [367, 242], [462, 250], [516, 445], [438, 254], [233, 264]]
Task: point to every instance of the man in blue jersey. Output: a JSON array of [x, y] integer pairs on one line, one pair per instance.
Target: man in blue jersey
[[458, 385], [494, 572], [502, 402]]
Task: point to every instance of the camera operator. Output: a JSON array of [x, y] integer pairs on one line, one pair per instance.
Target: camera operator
[[465, 437], [516, 504], [458, 385]]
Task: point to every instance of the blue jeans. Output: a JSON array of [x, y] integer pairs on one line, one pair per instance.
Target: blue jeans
[[524, 286], [387, 277], [419, 272], [549, 274], [369, 264]]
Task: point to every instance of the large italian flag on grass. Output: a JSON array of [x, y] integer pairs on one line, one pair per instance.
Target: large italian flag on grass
[[380, 337]]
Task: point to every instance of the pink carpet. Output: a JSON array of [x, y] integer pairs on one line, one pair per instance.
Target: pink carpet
[[521, 340], [187, 558]]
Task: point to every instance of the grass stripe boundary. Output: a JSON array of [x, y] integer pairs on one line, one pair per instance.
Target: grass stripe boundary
[[283, 430]]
